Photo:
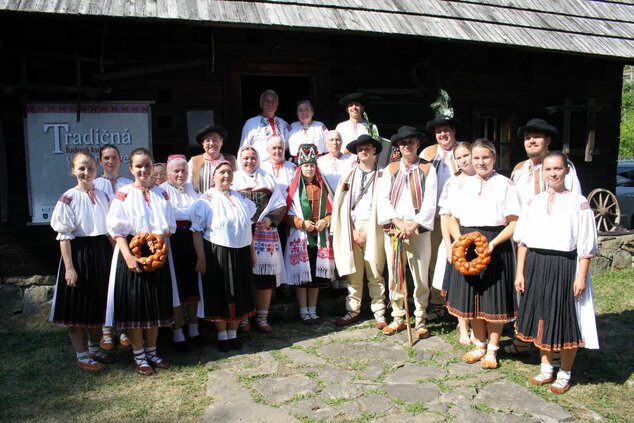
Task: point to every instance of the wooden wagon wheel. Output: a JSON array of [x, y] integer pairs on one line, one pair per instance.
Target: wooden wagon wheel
[[607, 214]]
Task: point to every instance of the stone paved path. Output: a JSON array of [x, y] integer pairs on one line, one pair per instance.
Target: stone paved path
[[313, 374]]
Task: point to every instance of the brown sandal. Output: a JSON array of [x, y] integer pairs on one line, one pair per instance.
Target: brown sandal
[[475, 355]]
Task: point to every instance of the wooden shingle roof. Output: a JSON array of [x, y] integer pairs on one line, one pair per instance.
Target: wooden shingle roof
[[592, 27]]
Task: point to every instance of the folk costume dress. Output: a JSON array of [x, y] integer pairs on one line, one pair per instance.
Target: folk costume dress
[[409, 193], [140, 300], [110, 186], [257, 131], [260, 187], [309, 258], [283, 173], [181, 244], [558, 229], [484, 205], [299, 134], [227, 290], [80, 217]]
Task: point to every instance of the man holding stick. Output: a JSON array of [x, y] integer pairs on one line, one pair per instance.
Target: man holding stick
[[407, 195]]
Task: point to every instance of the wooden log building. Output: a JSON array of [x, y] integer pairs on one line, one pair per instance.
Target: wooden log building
[[502, 61]]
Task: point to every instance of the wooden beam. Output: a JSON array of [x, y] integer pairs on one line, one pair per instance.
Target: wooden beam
[[151, 69], [24, 88]]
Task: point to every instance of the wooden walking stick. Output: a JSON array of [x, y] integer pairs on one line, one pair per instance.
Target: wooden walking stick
[[398, 264]]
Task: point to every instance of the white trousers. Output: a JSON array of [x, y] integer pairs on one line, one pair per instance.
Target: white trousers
[[376, 282], [417, 252]]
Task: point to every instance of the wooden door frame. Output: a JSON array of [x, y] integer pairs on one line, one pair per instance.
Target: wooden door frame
[[319, 86]]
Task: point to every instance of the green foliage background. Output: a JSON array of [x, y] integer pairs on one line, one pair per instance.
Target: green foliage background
[[626, 144]]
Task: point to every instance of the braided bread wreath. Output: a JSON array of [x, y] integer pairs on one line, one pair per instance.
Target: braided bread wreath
[[459, 253], [157, 247]]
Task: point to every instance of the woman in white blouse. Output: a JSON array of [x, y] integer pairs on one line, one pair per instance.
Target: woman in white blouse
[[182, 195], [221, 222], [487, 203], [462, 156], [260, 187], [306, 130], [557, 238], [110, 181], [140, 302], [79, 218]]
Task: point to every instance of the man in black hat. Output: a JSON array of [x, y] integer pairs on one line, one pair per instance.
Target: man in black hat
[[357, 125], [537, 135], [407, 195], [201, 167], [257, 130], [355, 231], [443, 129]]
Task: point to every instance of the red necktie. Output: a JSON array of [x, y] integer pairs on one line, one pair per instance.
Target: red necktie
[[272, 123]]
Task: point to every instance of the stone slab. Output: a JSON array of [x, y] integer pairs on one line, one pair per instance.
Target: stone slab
[[277, 390], [423, 393], [510, 397], [383, 352], [414, 373], [300, 358], [233, 403]]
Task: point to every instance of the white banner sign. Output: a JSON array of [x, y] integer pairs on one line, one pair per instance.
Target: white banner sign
[[53, 135]]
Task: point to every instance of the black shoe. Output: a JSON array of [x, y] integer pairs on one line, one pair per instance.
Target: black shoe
[[235, 344], [198, 340], [224, 346], [181, 347]]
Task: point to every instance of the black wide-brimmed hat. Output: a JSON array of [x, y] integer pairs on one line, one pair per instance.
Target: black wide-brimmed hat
[[539, 125], [442, 120], [362, 140], [408, 132], [208, 129], [353, 97]]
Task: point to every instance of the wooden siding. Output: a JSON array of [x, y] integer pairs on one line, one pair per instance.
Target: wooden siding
[[601, 28]]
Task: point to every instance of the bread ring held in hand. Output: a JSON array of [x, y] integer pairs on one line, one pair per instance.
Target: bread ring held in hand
[[460, 249], [157, 247]]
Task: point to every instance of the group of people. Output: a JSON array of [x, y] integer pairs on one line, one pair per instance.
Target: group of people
[[347, 205]]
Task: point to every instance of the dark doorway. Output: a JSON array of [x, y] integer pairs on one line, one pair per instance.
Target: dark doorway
[[290, 90]]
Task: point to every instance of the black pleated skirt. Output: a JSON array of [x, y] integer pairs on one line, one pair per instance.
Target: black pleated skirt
[[547, 314], [489, 295], [184, 257], [85, 304], [142, 300], [316, 282], [227, 287]]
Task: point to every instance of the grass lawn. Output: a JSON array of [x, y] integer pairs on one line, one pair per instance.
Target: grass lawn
[[40, 383]]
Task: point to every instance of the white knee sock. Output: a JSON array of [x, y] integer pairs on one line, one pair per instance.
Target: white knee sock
[[193, 329], [178, 335]]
